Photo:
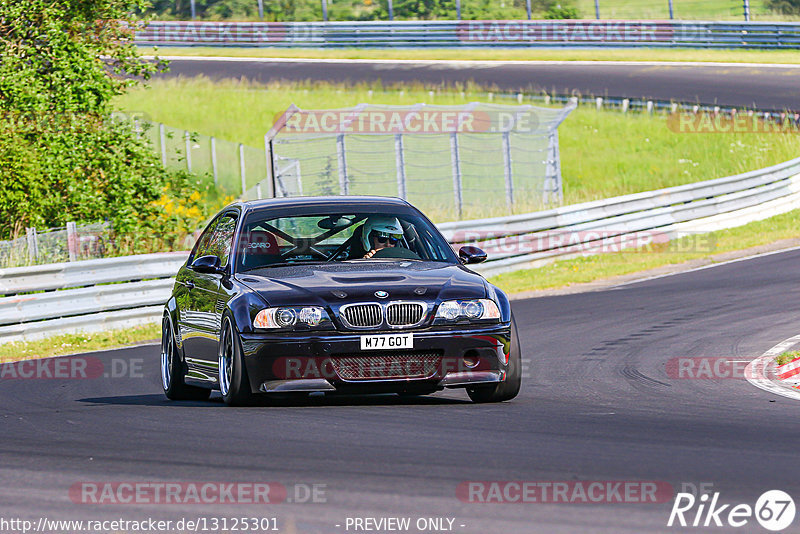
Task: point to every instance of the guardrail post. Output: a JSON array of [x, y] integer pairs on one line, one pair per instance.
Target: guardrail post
[[194, 10], [671, 12], [72, 241], [400, 163], [528, 8], [391, 10], [163, 139], [241, 168], [747, 10], [507, 168], [325, 10], [552, 184], [188, 142], [214, 159], [33, 243], [597, 9], [456, 163], [261, 9], [625, 104], [344, 181], [599, 102], [458, 9]]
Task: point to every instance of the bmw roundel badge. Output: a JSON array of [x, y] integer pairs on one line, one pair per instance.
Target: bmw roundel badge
[[381, 294]]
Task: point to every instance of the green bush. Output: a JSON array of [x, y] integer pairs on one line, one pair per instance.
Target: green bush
[[308, 10], [784, 7], [62, 158], [557, 11]]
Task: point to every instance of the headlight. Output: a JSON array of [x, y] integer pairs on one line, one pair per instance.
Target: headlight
[[288, 317], [473, 310]]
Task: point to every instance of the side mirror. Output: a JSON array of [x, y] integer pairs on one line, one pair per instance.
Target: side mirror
[[471, 254], [207, 264]]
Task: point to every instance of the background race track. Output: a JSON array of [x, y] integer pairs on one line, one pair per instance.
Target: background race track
[[761, 87], [596, 404]]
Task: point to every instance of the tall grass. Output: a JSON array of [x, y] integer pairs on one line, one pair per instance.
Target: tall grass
[[682, 9], [603, 153]]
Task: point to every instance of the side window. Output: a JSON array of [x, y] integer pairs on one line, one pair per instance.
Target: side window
[[201, 247], [222, 239]]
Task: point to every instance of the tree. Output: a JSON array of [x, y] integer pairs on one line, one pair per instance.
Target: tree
[[61, 157]]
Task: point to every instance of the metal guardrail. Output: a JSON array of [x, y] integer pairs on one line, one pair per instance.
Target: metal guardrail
[[88, 299], [474, 33], [521, 241], [89, 273]]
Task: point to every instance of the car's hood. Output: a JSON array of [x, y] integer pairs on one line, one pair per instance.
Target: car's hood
[[339, 283]]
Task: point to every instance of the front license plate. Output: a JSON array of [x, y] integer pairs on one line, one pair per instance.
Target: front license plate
[[387, 341]]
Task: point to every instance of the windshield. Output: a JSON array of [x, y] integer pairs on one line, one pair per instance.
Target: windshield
[[339, 237]]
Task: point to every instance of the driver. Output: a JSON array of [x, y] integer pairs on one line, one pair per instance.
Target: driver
[[380, 232]]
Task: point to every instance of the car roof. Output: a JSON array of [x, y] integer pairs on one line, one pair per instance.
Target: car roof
[[337, 202]]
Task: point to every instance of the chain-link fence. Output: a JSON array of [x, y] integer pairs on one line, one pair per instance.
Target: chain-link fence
[[55, 245], [232, 167], [452, 161]]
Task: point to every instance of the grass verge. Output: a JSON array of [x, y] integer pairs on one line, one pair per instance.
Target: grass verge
[[787, 357], [64, 344], [603, 153], [602, 266], [495, 54]]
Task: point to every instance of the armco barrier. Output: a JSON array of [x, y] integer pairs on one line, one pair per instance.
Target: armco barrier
[[473, 33], [514, 242]]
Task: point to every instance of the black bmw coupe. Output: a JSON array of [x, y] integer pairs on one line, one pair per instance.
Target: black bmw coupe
[[336, 295]]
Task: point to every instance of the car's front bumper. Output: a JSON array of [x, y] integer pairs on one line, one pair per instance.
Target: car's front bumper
[[313, 362]]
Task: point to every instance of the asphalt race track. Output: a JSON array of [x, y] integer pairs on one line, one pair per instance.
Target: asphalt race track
[[596, 404], [760, 87]]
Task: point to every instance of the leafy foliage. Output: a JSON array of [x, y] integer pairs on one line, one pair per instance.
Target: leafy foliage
[[308, 10], [557, 11], [61, 156], [784, 7]]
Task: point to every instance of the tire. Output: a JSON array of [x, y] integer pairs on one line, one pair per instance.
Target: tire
[[509, 388], [234, 383], [172, 371]]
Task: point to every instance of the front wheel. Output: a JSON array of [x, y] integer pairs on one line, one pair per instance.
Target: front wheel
[[172, 372], [233, 381], [509, 388]]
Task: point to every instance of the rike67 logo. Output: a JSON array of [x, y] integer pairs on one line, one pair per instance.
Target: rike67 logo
[[774, 510]]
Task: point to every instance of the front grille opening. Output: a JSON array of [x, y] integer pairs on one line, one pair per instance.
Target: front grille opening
[[404, 313], [363, 315], [393, 365]]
